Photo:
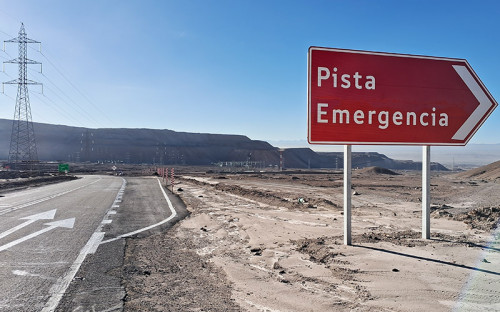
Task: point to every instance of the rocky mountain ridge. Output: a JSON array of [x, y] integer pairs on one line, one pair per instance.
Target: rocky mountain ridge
[[167, 147]]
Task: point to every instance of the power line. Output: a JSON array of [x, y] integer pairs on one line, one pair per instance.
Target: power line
[[81, 110], [76, 88], [6, 33], [10, 97], [8, 15], [69, 100], [58, 92], [46, 100]]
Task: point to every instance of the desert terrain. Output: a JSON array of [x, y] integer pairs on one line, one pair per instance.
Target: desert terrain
[[261, 241]]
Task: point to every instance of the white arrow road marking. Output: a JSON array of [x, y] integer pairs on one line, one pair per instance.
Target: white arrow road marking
[[484, 103], [68, 223], [48, 215], [28, 274], [24, 273]]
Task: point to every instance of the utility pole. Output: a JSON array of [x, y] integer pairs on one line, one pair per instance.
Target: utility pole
[[23, 151]]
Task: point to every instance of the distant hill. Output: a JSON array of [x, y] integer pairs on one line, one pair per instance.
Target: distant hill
[[376, 171], [167, 147], [489, 172], [56, 142], [307, 158]]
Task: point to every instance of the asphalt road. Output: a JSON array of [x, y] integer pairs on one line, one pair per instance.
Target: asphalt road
[[59, 243], [142, 210], [37, 250]]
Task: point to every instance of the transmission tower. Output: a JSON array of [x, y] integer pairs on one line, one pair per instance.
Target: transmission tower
[[23, 152], [87, 146]]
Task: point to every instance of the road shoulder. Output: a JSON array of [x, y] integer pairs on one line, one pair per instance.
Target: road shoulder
[[98, 285]]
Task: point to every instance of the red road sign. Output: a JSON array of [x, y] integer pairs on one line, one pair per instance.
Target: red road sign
[[361, 97]]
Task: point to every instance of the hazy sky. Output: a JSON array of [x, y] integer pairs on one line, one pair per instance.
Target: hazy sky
[[236, 67]]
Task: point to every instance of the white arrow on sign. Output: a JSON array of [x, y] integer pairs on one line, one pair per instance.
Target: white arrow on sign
[[67, 223], [48, 215], [484, 103]]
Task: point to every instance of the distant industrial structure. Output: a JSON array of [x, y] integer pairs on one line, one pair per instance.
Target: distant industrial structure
[[23, 151]]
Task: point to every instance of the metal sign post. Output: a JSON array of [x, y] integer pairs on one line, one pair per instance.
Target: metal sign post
[[426, 192], [347, 194]]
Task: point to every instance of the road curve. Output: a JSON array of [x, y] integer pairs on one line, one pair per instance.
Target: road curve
[[144, 209]]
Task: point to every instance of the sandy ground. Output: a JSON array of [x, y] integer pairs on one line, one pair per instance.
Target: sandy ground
[[274, 242]]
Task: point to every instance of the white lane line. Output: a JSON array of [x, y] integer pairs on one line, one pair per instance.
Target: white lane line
[[96, 240], [41, 200], [172, 210], [57, 291]]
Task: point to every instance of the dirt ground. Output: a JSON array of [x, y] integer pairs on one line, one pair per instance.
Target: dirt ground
[[274, 242]]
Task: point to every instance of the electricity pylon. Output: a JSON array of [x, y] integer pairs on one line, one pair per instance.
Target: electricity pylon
[[87, 143], [23, 153]]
